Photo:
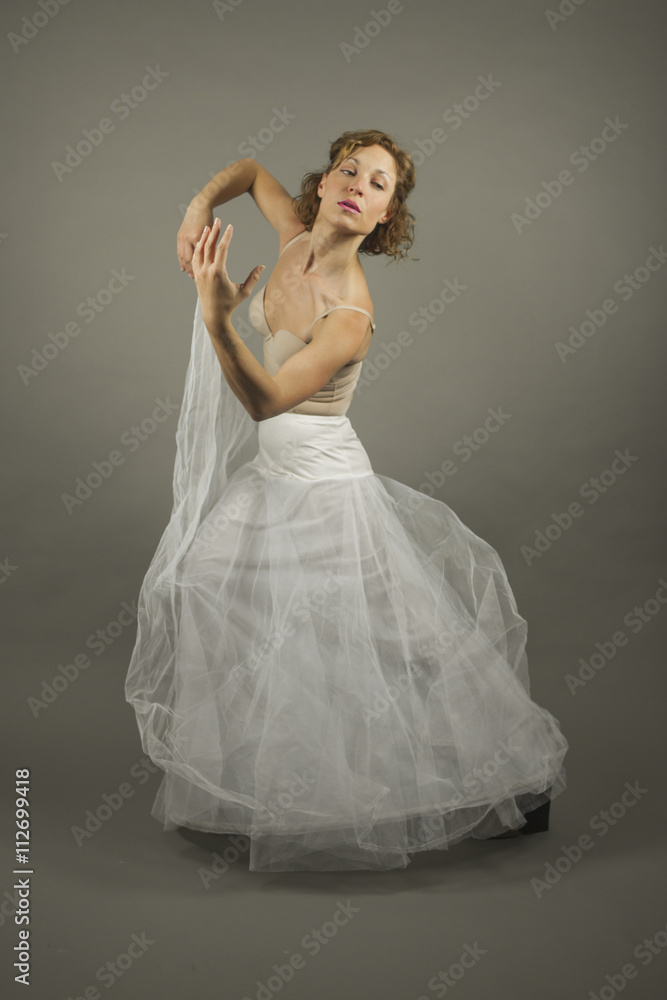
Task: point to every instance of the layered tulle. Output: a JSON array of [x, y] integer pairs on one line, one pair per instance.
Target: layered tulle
[[333, 664]]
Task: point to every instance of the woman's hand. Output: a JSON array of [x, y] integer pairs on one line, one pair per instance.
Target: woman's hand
[[193, 224], [218, 295]]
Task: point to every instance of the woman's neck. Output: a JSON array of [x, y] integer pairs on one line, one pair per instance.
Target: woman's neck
[[331, 253]]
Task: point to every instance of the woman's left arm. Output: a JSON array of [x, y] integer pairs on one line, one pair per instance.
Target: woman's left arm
[[337, 340], [218, 297]]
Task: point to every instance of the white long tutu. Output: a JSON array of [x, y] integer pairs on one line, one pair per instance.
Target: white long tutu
[[327, 661], [347, 683]]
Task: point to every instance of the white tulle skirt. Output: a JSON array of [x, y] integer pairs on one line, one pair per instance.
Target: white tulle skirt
[[349, 684]]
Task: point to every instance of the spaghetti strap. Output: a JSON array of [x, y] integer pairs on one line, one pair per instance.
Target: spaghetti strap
[[326, 313], [289, 242]]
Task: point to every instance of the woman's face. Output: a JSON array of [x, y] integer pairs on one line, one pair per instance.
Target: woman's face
[[367, 178]]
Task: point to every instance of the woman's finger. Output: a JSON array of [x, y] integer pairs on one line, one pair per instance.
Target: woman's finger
[[210, 242], [223, 246], [197, 251]]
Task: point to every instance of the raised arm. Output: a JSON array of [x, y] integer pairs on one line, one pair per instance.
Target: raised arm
[[234, 180], [245, 175]]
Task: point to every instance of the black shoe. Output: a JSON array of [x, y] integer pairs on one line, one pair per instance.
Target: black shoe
[[537, 821]]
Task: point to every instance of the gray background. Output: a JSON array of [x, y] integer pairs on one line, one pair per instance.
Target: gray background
[[66, 575]]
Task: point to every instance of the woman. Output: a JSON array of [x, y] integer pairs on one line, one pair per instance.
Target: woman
[[327, 660]]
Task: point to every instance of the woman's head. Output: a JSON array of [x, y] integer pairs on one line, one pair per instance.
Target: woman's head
[[380, 176]]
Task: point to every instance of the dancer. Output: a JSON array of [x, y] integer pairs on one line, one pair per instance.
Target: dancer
[[327, 661]]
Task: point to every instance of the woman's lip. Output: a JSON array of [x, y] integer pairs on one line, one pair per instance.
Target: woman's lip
[[342, 203]]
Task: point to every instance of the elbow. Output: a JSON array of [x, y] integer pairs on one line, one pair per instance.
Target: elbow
[[261, 410], [256, 414], [266, 407]]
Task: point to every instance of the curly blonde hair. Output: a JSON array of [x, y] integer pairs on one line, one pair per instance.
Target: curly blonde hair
[[393, 237]]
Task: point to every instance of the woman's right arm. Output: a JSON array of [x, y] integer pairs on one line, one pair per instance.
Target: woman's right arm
[[234, 180], [271, 198]]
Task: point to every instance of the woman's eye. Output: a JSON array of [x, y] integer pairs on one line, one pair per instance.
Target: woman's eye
[[346, 171]]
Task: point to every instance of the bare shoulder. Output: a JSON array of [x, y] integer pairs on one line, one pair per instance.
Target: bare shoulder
[[360, 295]]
